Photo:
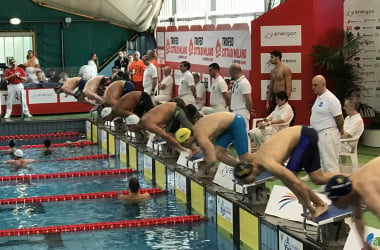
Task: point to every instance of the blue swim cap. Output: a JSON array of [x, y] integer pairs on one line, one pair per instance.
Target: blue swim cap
[[338, 185]]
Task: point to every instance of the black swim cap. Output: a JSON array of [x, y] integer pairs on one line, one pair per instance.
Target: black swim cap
[[338, 185], [12, 143], [242, 170]]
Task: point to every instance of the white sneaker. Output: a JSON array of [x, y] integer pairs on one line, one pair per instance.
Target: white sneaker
[[7, 116], [27, 114], [305, 178]]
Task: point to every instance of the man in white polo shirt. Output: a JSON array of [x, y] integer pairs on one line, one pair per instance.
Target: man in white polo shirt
[[241, 102], [186, 89], [327, 119], [219, 96], [150, 76]]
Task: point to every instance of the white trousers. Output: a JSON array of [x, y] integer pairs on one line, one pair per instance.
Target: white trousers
[[14, 91], [328, 144]]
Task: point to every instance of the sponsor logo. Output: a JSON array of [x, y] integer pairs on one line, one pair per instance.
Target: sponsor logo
[[286, 199], [280, 34], [350, 13], [372, 240]]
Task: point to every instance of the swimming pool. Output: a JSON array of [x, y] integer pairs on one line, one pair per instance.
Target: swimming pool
[[197, 235]]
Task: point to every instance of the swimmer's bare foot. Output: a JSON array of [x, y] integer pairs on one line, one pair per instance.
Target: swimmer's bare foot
[[320, 209]]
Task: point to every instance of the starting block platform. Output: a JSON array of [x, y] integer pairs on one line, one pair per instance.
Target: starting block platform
[[191, 163], [331, 227], [256, 192], [160, 147], [136, 137]]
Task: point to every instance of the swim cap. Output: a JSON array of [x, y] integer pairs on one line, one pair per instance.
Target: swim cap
[[18, 153], [132, 120], [242, 170], [106, 112], [182, 134], [338, 185], [11, 143]]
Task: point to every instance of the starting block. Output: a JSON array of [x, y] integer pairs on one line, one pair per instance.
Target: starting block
[[191, 163], [160, 147], [331, 229], [256, 193], [119, 124], [137, 137]]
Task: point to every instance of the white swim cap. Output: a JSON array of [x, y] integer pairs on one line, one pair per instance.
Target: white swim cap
[[18, 153], [106, 112], [132, 120]]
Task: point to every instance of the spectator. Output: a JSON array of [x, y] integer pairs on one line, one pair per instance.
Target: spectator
[[15, 77], [32, 60], [121, 63], [353, 124], [241, 102], [116, 74], [41, 77], [150, 77], [152, 57], [200, 99], [63, 77], [165, 87], [93, 63], [186, 90], [136, 70], [280, 118], [53, 77], [327, 119], [219, 95]]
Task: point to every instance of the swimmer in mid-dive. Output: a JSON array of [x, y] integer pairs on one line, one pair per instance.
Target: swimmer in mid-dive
[[360, 188], [18, 162]]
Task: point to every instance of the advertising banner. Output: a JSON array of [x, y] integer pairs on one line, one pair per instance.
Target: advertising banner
[[206, 47]]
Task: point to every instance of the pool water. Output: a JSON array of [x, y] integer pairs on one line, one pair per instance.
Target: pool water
[[197, 235]]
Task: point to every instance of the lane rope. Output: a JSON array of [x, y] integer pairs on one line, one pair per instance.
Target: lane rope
[[80, 196], [103, 225], [79, 158], [34, 136], [67, 174], [55, 145]]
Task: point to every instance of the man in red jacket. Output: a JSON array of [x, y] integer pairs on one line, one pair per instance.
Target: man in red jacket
[[15, 77]]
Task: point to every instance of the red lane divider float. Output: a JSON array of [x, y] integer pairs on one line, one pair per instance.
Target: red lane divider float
[[82, 196], [102, 225], [80, 158], [67, 174], [35, 136], [55, 145]]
